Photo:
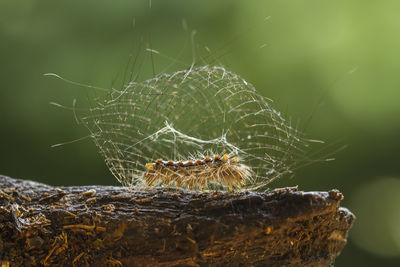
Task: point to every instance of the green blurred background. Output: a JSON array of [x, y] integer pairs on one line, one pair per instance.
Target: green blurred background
[[336, 60]]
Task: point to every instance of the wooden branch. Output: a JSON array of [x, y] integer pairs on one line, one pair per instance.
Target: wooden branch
[[105, 225]]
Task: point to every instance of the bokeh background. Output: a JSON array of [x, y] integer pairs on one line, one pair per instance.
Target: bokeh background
[[336, 62]]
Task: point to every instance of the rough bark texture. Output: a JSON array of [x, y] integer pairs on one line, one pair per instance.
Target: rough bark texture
[[110, 226]]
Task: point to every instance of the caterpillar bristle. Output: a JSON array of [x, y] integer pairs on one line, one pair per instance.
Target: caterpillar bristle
[[149, 166]]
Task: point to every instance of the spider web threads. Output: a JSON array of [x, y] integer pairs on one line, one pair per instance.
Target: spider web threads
[[201, 111]]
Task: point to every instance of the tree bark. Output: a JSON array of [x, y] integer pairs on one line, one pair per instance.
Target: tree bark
[[111, 226]]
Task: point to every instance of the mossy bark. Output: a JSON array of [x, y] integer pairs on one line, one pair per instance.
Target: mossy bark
[[87, 225]]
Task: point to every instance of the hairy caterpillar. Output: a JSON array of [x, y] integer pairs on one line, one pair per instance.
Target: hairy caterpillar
[[199, 172]]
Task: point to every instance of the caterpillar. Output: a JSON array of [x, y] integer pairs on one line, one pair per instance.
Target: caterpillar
[[199, 173]]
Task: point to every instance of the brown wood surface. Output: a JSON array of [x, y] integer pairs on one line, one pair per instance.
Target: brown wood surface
[[42, 225]]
